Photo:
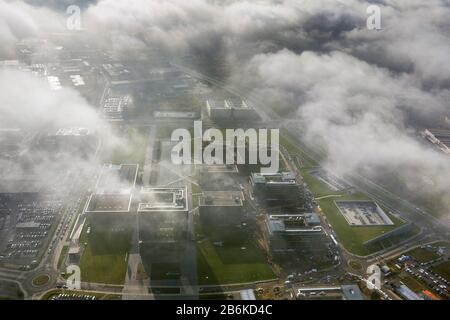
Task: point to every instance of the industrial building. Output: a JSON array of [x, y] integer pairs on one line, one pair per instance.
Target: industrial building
[[351, 292], [109, 203], [406, 293], [116, 73], [163, 199], [221, 208], [293, 224], [230, 110], [289, 232], [345, 292], [113, 190], [363, 213], [163, 214], [277, 189], [247, 294], [163, 230]]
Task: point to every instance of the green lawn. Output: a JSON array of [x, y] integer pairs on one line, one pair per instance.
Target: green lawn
[[237, 260], [104, 259], [221, 265], [165, 271], [41, 280], [105, 268], [443, 269], [413, 284], [318, 188], [352, 238]]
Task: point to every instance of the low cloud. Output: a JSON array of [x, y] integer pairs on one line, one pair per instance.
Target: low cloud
[[34, 106], [37, 111], [19, 20], [358, 113], [361, 94]]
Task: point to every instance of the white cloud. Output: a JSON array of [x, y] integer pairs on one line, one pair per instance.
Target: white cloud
[[358, 113]]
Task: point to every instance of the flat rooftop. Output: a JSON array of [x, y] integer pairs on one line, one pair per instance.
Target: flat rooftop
[[363, 213], [99, 203], [293, 223], [221, 199], [117, 71], [275, 178], [163, 199], [230, 103], [352, 292], [236, 104]]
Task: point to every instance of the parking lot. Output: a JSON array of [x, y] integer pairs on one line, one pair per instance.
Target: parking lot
[[431, 279], [27, 224], [419, 274]]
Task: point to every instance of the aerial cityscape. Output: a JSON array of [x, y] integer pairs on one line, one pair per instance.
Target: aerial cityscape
[[224, 150]]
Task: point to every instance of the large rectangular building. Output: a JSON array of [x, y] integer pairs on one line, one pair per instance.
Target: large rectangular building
[[221, 208], [116, 73], [163, 214], [406, 293], [113, 190], [292, 232], [163, 227], [293, 224], [278, 188], [230, 110], [112, 203], [363, 213]]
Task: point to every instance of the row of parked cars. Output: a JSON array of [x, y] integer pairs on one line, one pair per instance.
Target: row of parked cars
[[73, 296]]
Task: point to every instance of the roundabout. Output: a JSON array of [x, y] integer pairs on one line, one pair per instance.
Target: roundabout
[[40, 280]]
